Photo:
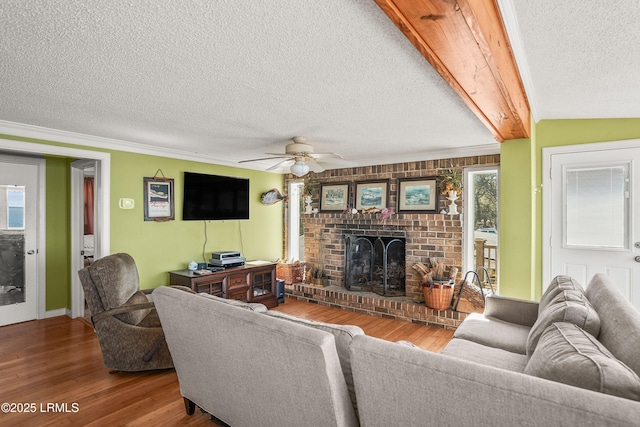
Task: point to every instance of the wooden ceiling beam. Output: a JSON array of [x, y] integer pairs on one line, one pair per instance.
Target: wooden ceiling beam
[[466, 43]]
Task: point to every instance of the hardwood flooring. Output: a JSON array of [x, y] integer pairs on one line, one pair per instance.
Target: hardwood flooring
[[52, 374], [433, 339]]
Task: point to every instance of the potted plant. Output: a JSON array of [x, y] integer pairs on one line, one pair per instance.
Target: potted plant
[[307, 193], [450, 180], [307, 188]]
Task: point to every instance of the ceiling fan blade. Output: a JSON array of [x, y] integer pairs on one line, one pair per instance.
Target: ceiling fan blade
[[264, 158], [327, 155], [314, 166], [282, 164]]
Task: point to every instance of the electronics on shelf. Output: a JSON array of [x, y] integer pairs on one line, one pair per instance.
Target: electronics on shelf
[[226, 259]]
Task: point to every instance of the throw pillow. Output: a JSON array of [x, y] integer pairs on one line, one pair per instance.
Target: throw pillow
[[568, 306], [569, 355], [558, 285]]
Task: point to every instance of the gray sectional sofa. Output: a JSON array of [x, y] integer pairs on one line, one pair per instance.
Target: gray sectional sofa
[[248, 367], [571, 359]]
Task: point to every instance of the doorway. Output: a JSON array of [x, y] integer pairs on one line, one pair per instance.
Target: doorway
[[103, 162], [85, 225], [588, 214]]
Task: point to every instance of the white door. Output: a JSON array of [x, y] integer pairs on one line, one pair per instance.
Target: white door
[[18, 251], [594, 228]]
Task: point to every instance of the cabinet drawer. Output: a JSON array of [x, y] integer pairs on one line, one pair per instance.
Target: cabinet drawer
[[237, 280], [239, 294]]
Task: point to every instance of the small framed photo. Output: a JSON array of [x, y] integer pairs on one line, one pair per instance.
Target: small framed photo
[[371, 195], [418, 195], [158, 199], [334, 197]]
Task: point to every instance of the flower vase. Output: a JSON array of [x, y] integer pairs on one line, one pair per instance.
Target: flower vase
[[453, 208], [307, 205]]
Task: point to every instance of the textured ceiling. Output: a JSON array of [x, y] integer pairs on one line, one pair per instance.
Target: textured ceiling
[[578, 59], [232, 80]]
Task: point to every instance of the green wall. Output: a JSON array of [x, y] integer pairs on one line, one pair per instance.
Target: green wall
[[516, 224], [58, 249], [157, 247], [521, 226]]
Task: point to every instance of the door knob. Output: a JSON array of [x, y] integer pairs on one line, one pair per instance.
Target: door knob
[[637, 258], [31, 252]]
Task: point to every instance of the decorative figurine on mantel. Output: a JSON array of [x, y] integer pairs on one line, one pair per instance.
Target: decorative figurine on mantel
[[451, 186]]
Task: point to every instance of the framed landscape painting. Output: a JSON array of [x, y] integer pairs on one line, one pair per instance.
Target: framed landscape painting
[[418, 195], [372, 195], [334, 197]]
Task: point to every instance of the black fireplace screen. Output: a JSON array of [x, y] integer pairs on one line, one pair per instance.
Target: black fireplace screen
[[375, 264]]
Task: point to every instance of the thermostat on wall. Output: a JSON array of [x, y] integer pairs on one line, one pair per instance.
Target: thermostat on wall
[[127, 203]]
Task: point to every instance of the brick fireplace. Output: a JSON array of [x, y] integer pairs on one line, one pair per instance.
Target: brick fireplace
[[438, 236], [425, 235]]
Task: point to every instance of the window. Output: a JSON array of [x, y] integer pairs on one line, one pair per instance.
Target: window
[[15, 208], [481, 221], [596, 207], [296, 232]]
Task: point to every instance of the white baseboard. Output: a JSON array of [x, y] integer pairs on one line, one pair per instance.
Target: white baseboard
[[57, 312]]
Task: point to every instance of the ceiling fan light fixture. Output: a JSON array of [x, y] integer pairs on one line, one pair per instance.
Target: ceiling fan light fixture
[[299, 168]]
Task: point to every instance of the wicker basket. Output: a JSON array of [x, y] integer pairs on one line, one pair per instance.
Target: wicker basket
[[439, 296], [290, 273]]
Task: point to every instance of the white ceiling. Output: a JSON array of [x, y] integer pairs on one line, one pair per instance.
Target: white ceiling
[[230, 80], [578, 59]]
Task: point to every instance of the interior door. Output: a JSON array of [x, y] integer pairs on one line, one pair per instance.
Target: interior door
[[18, 252], [593, 206]]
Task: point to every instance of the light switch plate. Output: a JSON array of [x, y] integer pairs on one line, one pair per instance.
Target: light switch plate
[[127, 203]]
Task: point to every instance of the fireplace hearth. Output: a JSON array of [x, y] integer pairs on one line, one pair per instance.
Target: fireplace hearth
[[375, 264]]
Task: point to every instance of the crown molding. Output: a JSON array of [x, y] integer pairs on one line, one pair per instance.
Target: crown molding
[[55, 135]]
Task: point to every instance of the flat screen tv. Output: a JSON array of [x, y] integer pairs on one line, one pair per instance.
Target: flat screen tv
[[214, 197]]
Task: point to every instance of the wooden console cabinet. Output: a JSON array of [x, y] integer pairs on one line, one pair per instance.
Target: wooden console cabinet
[[253, 282]]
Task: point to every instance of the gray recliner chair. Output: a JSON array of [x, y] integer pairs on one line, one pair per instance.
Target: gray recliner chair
[[125, 320]]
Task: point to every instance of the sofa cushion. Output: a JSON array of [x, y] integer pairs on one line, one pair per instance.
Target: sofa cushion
[[136, 316], [619, 320], [493, 332], [253, 306], [558, 285], [568, 306], [343, 334], [488, 356], [568, 354]]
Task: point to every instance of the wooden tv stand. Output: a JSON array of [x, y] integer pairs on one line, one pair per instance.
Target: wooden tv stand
[[253, 282]]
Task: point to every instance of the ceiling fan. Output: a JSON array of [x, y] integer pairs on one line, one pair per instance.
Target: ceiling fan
[[300, 156]]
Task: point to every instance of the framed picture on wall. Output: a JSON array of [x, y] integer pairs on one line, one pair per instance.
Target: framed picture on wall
[[371, 195], [158, 199], [418, 195], [334, 197]]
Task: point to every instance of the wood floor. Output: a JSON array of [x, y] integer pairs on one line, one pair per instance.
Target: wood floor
[[52, 372]]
